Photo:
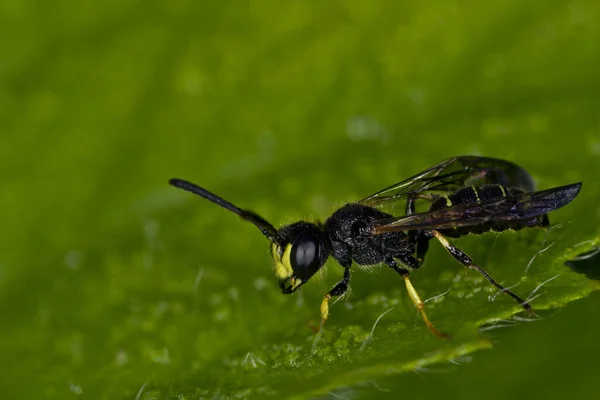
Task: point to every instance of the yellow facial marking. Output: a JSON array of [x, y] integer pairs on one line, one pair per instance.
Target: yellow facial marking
[[296, 282], [275, 250], [283, 268]]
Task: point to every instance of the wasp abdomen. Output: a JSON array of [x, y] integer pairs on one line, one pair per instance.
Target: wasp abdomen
[[473, 195], [479, 195]]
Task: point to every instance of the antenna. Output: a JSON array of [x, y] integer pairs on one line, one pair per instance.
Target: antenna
[[265, 227]]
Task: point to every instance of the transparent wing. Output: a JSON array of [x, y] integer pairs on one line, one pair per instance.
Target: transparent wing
[[512, 208], [452, 174]]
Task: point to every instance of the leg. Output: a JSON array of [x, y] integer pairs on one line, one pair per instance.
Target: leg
[[419, 238], [465, 260], [414, 296], [410, 205], [422, 246], [338, 290]]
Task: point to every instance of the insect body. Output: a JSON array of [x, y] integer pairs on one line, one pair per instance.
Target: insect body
[[462, 195]]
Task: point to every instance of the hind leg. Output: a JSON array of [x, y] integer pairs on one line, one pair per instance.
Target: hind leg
[[465, 260]]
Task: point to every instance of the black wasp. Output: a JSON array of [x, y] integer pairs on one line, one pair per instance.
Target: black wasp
[[463, 195]]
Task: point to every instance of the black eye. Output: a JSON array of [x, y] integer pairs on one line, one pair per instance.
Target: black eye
[[304, 257]]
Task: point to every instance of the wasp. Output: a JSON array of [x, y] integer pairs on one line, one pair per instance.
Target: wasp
[[460, 196]]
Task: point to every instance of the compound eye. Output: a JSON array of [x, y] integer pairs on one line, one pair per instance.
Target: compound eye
[[304, 257]]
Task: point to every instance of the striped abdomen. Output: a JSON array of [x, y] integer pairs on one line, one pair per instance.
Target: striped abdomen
[[483, 194]]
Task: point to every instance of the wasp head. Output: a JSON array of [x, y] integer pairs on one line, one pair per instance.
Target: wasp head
[[300, 252]]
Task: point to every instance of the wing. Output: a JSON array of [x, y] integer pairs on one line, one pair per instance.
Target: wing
[[512, 208], [455, 173]]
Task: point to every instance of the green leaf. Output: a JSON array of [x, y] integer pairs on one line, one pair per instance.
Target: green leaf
[[115, 285]]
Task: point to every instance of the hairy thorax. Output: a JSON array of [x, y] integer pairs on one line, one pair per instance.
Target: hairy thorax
[[350, 239]]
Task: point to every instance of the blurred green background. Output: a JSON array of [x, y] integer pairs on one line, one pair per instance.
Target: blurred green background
[[114, 285]]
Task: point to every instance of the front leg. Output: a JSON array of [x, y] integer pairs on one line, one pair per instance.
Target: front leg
[[339, 289]]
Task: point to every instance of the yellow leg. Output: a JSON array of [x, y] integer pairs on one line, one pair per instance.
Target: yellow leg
[[339, 289], [414, 296], [325, 308]]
